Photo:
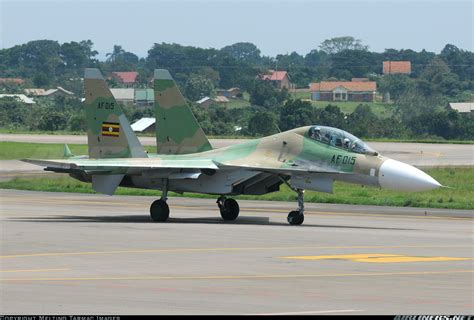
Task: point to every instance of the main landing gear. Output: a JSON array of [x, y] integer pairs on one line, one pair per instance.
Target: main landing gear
[[159, 209], [229, 208]]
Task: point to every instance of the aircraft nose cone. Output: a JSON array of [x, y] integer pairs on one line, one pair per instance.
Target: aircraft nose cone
[[400, 176]]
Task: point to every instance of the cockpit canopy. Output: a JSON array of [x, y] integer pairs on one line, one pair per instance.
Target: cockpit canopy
[[340, 139]]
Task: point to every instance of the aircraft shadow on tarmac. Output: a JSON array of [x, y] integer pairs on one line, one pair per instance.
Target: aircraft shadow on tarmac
[[198, 220]]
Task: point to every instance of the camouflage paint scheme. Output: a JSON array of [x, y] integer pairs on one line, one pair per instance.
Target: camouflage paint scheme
[[171, 109], [186, 161]]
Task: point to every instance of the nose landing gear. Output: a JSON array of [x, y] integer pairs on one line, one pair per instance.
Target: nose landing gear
[[297, 217]]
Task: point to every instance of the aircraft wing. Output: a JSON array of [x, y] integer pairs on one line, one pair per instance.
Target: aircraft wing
[[123, 164]]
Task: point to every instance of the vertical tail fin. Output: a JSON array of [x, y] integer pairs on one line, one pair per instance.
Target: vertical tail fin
[[177, 130], [109, 133]]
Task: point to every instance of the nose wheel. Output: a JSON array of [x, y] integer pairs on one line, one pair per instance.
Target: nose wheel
[[229, 208], [295, 218]]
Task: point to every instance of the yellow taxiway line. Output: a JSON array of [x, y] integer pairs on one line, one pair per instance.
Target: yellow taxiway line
[[177, 250], [378, 258]]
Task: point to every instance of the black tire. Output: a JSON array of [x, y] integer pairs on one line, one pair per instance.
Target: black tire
[[159, 211], [295, 218], [230, 209]]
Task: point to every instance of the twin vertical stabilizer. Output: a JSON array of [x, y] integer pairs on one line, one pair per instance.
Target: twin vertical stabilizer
[[109, 133], [177, 130]]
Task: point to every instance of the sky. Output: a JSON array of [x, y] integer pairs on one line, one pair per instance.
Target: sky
[[274, 26]]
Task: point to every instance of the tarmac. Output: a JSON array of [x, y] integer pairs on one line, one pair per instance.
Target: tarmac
[[65, 253]]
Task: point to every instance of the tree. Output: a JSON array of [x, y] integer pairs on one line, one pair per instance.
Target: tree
[[461, 62], [243, 51], [198, 87], [350, 63], [77, 122], [338, 44], [330, 116], [296, 113], [121, 60], [52, 120], [395, 84], [264, 94], [363, 122], [262, 123], [438, 78]]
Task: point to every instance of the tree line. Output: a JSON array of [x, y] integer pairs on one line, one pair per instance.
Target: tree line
[[419, 99]]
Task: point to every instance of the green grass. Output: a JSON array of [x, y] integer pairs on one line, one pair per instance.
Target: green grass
[[301, 95], [25, 131], [237, 103], [421, 140], [379, 108], [22, 150], [460, 197]]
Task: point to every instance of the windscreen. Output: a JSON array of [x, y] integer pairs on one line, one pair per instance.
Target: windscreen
[[340, 139]]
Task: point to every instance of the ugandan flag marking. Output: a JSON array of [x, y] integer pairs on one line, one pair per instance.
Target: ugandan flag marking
[[110, 129]]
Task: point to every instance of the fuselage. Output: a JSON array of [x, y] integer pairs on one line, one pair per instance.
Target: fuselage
[[309, 163]]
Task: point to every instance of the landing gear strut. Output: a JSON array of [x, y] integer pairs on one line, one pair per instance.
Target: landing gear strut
[[159, 210], [296, 217], [229, 208]]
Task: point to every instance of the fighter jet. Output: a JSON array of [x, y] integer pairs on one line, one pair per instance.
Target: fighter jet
[[306, 158]]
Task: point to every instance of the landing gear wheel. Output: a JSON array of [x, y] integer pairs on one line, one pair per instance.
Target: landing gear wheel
[[295, 218], [159, 211], [229, 209]]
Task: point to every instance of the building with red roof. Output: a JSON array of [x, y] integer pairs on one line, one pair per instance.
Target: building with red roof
[[343, 91], [280, 79], [396, 67], [128, 78]]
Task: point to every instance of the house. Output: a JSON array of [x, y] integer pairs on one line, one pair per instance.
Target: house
[[144, 97], [462, 107], [12, 81], [228, 93], [20, 97], [50, 93], [125, 96], [279, 79], [220, 99], [204, 102], [128, 78], [207, 101], [396, 67], [144, 125], [343, 91]]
